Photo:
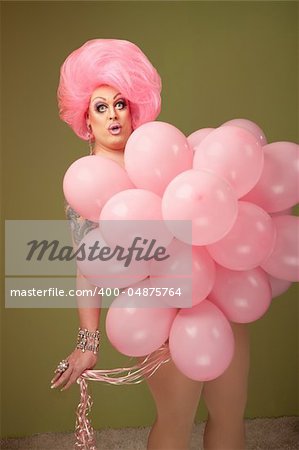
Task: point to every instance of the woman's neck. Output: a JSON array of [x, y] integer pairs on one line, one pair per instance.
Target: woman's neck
[[115, 155]]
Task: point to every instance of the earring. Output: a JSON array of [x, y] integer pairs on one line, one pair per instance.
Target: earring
[[90, 141], [90, 146]]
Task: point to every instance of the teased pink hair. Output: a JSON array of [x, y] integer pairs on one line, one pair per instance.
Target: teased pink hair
[[113, 62]]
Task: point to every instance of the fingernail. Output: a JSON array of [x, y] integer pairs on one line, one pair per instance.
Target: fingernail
[[62, 389], [53, 386]]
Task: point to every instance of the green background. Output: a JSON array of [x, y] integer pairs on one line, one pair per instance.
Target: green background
[[218, 61]]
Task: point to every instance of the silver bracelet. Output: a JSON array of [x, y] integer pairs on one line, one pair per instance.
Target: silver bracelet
[[88, 340]]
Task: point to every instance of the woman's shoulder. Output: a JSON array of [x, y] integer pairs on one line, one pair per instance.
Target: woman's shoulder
[[79, 225]]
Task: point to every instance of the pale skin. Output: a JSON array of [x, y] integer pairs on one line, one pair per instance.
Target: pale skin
[[176, 396]]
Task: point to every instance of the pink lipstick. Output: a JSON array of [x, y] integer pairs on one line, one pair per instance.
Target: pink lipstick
[[114, 128]]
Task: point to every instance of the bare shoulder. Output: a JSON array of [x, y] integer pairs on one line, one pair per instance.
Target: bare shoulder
[[79, 226]]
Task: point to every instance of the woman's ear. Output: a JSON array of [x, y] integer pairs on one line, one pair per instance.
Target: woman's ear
[[87, 120]]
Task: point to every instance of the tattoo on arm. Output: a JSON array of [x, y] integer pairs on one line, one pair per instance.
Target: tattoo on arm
[[79, 226]]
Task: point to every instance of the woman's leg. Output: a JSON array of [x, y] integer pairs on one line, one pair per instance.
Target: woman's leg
[[176, 398], [226, 397]]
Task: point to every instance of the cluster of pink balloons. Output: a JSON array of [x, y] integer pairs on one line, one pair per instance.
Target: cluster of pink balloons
[[236, 192]]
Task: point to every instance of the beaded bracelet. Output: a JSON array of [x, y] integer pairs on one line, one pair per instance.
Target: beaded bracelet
[[88, 340]]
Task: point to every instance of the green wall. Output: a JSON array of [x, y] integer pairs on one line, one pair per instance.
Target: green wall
[[218, 60]]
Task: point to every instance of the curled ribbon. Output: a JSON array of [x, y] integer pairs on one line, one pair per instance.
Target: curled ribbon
[[84, 433]]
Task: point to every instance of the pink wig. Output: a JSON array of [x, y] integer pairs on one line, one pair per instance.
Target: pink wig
[[117, 63]]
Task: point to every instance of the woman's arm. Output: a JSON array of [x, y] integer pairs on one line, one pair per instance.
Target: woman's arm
[[80, 360], [88, 317]]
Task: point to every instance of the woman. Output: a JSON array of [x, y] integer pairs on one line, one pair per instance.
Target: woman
[[107, 89]]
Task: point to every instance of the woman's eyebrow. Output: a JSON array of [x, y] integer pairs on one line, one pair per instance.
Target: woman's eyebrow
[[102, 98]]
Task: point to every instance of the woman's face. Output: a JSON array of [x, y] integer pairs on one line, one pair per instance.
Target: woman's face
[[109, 118]]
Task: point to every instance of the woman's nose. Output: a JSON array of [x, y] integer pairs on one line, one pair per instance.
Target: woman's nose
[[112, 113]]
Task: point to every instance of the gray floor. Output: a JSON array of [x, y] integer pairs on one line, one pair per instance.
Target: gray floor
[[262, 434]]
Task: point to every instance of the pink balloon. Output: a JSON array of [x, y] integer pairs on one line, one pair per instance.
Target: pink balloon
[[137, 325], [277, 188], [203, 198], [250, 126], [189, 269], [278, 287], [155, 153], [234, 154], [195, 138], [105, 272], [134, 213], [283, 262], [243, 296], [201, 342], [90, 181], [249, 242]]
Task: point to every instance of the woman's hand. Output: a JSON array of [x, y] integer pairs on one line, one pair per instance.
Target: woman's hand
[[78, 363]]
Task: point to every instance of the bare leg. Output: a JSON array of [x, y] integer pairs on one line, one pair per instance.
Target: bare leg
[[176, 398], [226, 397]]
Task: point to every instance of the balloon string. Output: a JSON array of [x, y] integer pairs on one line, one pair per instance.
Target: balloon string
[[84, 432]]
